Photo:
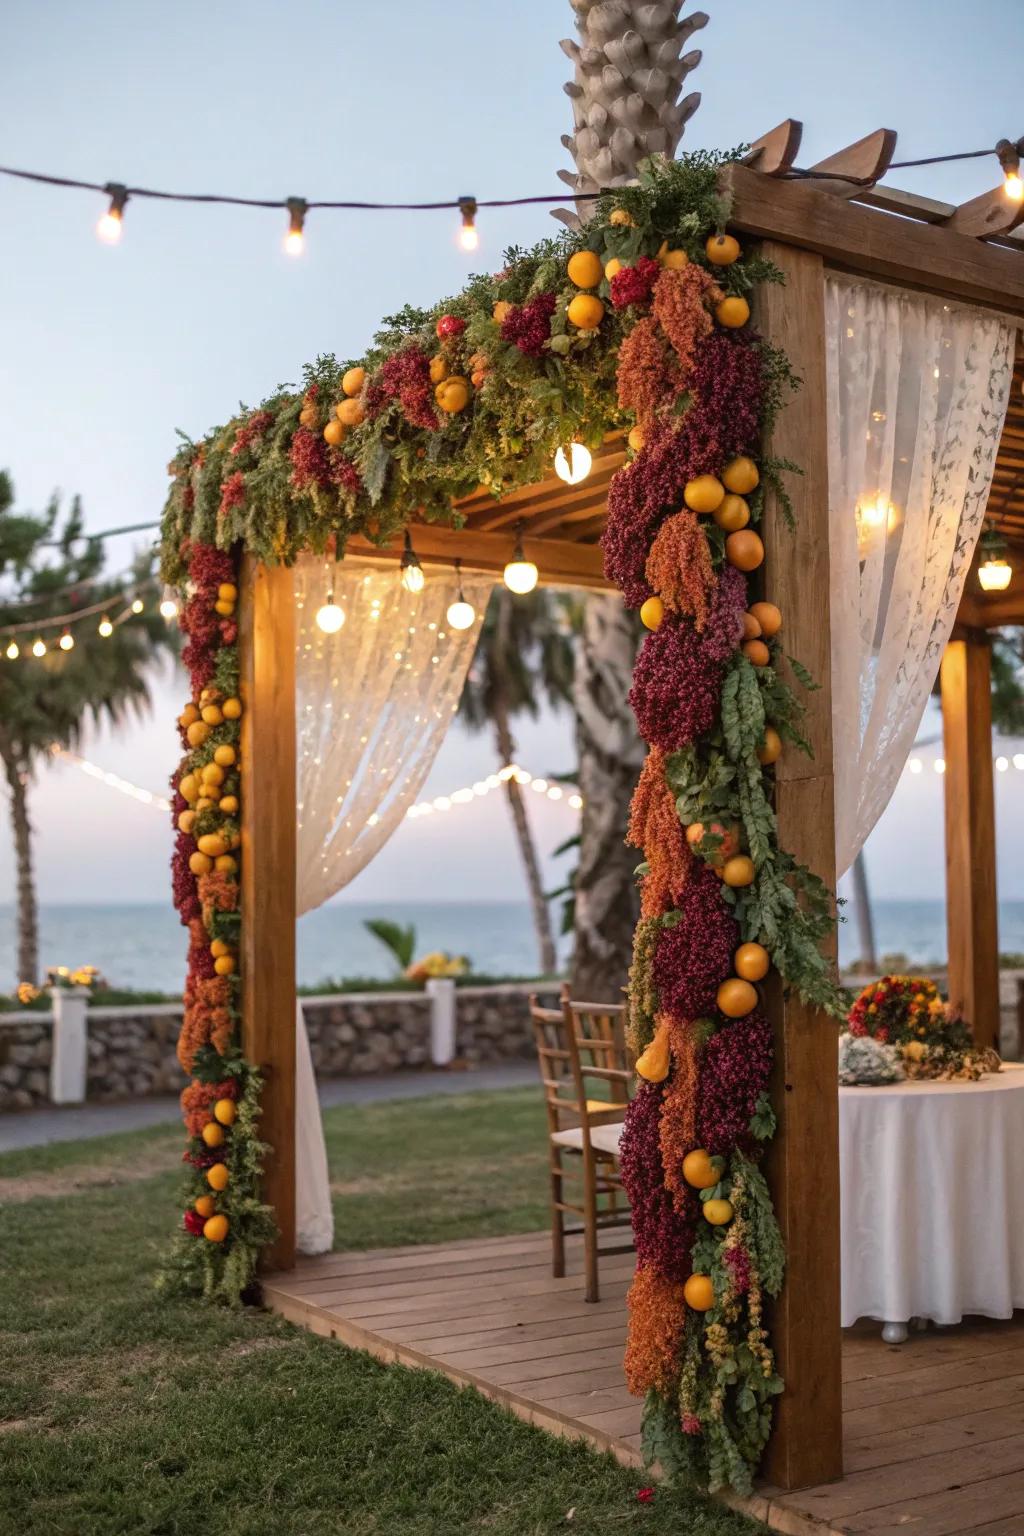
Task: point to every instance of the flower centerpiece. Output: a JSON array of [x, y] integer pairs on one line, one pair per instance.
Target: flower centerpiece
[[908, 1012]]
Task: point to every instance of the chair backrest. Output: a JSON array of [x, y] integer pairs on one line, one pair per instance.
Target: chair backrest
[[605, 1064], [555, 1060]]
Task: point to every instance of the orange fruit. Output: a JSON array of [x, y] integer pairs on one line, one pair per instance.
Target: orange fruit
[[212, 714], [736, 998], [217, 1176], [584, 269], [224, 609], [211, 774], [613, 267], [224, 756], [500, 312], [751, 628], [186, 821], [718, 1212], [721, 250], [225, 1111], [204, 1206], [757, 653], [740, 475], [675, 260], [439, 368], [212, 844], [218, 947], [188, 715], [698, 1170], [200, 864], [229, 804], [752, 962], [216, 1229], [224, 965], [768, 616], [204, 803], [733, 514], [213, 1134], [225, 865], [227, 592], [636, 438], [744, 550], [585, 311], [771, 748], [353, 381], [652, 612], [732, 312], [452, 395], [695, 833], [705, 494], [188, 788], [351, 413], [231, 709], [699, 1293], [334, 433], [738, 870], [197, 733]]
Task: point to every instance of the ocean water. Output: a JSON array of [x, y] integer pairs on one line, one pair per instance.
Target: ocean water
[[144, 946]]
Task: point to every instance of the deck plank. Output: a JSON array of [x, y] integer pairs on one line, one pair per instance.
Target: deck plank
[[933, 1429]]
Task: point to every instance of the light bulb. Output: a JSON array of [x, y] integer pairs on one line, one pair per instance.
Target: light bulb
[[39, 648], [168, 605], [994, 575], [413, 579], [468, 237], [574, 466], [461, 614], [330, 617], [105, 627], [138, 605], [520, 575], [108, 228], [1013, 186], [67, 641], [294, 240], [13, 651]]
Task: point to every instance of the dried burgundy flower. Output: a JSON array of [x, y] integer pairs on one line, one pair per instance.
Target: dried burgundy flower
[[406, 378], [694, 957], [724, 627], [632, 285], [676, 688], [528, 326], [232, 492], [735, 1070], [663, 1237]]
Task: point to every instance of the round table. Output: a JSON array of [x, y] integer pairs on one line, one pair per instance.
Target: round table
[[932, 1200]]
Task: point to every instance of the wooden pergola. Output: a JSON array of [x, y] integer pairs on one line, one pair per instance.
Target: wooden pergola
[[831, 218]]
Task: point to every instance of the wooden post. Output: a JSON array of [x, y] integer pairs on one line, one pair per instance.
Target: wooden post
[[972, 921], [267, 656], [803, 1167]]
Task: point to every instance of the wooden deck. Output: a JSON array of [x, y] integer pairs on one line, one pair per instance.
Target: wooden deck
[[933, 1430]]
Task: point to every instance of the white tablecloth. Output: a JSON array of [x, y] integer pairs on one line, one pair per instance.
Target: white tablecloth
[[932, 1197]]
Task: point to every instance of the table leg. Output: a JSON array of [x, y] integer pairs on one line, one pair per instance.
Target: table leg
[[894, 1333]]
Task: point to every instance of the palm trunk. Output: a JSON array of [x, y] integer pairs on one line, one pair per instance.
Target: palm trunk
[[610, 754], [538, 902], [28, 918], [868, 959]]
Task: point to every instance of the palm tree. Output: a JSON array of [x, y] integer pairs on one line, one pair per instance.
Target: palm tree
[[525, 651], [48, 568]]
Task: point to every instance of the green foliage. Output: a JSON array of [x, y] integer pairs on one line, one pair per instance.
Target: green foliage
[[398, 940]]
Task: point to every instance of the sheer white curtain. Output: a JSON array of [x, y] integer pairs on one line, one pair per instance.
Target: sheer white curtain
[[917, 393], [373, 703]]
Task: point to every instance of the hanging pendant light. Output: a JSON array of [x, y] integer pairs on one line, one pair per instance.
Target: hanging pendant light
[[413, 578], [461, 614], [574, 466], [330, 617], [994, 569], [520, 575]]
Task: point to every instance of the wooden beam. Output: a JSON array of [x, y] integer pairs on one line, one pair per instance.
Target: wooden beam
[[993, 213], [803, 1166], [775, 152], [972, 916], [864, 163], [561, 562], [855, 238], [267, 658]]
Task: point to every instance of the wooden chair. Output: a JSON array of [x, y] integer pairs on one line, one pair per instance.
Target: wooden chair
[[581, 1044]]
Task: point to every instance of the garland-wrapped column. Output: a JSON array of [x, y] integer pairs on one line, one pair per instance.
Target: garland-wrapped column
[[803, 1162], [267, 666]]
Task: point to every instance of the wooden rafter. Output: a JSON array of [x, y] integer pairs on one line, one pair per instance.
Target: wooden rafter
[[775, 152], [864, 162]]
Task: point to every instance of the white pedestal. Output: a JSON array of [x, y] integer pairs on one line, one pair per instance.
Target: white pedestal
[[70, 1044], [441, 991]]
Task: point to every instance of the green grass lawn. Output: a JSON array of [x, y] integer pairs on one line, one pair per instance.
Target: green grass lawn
[[124, 1413]]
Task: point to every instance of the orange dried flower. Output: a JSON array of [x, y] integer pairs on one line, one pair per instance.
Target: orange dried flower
[[679, 567], [682, 303], [654, 826], [657, 1320], [218, 893], [678, 1128], [645, 375]]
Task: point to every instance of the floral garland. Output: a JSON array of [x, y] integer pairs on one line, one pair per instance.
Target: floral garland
[[638, 323], [224, 1224]]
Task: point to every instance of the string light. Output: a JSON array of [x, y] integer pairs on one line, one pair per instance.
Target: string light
[[413, 578], [461, 614], [13, 651], [1009, 158], [138, 605], [39, 648], [330, 617], [520, 574], [113, 780], [67, 641], [574, 466], [295, 240], [469, 239], [106, 629], [482, 787], [168, 605], [108, 228]]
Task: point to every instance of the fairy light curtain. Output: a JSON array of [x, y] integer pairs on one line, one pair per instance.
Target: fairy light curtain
[[373, 704], [917, 393]]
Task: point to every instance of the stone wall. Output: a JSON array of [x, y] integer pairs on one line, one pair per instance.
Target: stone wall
[[132, 1050]]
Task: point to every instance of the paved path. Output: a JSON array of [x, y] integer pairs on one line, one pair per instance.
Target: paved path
[[36, 1127]]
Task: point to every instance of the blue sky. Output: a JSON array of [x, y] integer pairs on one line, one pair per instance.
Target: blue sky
[[106, 351]]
